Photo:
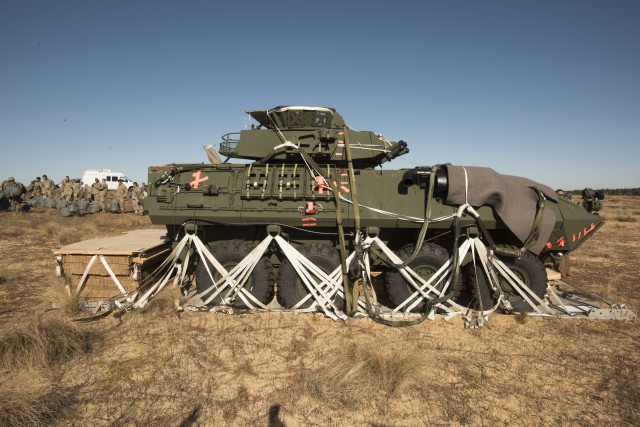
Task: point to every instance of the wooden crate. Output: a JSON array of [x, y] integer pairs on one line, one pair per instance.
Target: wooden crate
[[139, 250]]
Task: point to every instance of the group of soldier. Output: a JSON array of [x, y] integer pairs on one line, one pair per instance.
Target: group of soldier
[[72, 190]]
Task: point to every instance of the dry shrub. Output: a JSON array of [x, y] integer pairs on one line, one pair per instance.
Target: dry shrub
[[89, 229], [163, 304], [27, 398], [59, 297], [50, 229], [626, 218], [68, 236], [360, 370], [10, 233], [40, 342]]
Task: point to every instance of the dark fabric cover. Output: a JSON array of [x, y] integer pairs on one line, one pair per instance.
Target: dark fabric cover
[[510, 196]]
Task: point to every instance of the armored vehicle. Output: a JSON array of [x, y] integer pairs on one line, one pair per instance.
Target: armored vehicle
[[318, 184]]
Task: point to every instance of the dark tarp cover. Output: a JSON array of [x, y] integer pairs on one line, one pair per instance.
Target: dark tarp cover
[[510, 196]]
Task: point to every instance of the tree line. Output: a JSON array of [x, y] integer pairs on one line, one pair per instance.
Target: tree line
[[613, 191]]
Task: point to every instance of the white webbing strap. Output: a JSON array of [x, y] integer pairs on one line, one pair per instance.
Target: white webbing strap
[[409, 275], [285, 144], [523, 290], [85, 274], [113, 276], [235, 279], [445, 272], [170, 261], [322, 292], [479, 248], [329, 288]]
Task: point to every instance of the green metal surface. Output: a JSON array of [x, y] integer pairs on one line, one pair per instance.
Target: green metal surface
[[239, 201]]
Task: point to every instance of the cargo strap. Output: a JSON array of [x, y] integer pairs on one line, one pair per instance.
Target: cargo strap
[[102, 259], [427, 216], [351, 291], [324, 288], [172, 268], [341, 240]]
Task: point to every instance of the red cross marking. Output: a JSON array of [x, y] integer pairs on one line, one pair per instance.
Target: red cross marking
[[197, 180], [321, 184]]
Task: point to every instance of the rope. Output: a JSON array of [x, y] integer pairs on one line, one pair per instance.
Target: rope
[[425, 224], [351, 294]]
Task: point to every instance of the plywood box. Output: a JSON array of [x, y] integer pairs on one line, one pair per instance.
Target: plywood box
[[131, 257]]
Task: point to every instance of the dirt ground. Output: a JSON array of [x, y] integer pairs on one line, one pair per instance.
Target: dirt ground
[[163, 368]]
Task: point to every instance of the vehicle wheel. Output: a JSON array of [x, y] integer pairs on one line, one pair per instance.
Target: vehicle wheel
[[291, 289], [426, 263], [230, 254], [478, 286], [530, 270]]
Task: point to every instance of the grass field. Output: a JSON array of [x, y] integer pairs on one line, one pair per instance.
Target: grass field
[[161, 368]]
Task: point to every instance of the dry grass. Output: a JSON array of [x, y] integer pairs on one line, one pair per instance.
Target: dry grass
[[31, 352], [39, 342], [28, 398], [360, 369], [163, 304], [161, 368]]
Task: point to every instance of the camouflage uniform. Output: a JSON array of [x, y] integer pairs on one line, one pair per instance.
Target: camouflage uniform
[[95, 189], [137, 196], [67, 191], [5, 182], [47, 186], [102, 194], [15, 200], [87, 192], [75, 188], [37, 188], [121, 194], [63, 187]]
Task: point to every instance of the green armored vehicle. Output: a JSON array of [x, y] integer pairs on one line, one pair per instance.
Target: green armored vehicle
[[319, 185]]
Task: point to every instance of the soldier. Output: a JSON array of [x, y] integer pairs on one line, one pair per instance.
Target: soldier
[[11, 193], [88, 192], [63, 187], [75, 188], [37, 187], [47, 186], [67, 189], [121, 194], [5, 183], [137, 196], [95, 190], [102, 193]]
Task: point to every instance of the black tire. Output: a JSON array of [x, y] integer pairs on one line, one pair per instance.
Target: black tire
[[532, 273], [528, 268], [426, 263], [229, 254], [478, 286], [291, 289]]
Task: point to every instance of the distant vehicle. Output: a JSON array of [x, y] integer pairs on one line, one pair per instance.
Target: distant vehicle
[[112, 178]]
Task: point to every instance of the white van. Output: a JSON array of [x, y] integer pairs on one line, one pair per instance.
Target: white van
[[112, 178]]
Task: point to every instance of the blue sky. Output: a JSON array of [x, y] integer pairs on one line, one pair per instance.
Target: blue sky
[[549, 90]]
